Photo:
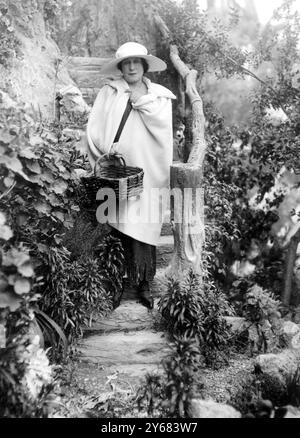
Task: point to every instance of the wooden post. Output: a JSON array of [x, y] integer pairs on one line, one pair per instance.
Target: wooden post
[[188, 222]]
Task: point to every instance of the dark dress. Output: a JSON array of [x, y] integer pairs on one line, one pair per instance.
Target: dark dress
[[140, 258]]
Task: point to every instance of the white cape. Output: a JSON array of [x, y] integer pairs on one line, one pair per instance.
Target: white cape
[[146, 141]]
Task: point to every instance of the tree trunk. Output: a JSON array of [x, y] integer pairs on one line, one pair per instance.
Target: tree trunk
[[186, 178], [289, 267]]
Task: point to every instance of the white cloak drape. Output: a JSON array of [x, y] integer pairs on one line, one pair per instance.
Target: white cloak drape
[[146, 141]]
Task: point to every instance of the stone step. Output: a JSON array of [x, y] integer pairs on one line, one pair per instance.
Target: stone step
[[119, 348], [129, 316], [101, 380]]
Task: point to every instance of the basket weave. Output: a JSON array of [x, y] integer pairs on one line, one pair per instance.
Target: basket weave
[[126, 181]]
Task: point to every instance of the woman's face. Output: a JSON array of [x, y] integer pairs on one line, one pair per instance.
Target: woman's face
[[133, 70]]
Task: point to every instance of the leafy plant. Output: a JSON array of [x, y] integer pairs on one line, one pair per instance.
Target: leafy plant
[[27, 385], [72, 291], [51, 10], [37, 185], [196, 314], [181, 308], [169, 395], [215, 331], [16, 273], [9, 44], [110, 254], [38, 179], [263, 396], [262, 309], [180, 369], [53, 335], [150, 395]]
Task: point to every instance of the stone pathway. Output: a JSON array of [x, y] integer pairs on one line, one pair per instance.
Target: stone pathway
[[118, 351]]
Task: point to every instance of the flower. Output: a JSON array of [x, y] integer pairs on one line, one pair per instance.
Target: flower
[[38, 371]]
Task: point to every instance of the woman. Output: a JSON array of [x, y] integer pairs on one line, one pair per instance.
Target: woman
[[146, 141]]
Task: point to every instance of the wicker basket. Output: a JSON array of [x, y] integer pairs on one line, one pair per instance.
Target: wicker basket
[[126, 181]]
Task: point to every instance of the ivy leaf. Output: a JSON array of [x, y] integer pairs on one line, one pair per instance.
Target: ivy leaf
[[11, 279], [47, 176], [22, 286], [26, 270], [61, 168], [35, 140], [13, 164], [27, 153], [2, 218], [60, 187], [51, 137], [66, 175], [15, 257], [34, 167], [54, 200], [22, 219], [5, 232], [59, 215], [8, 181], [58, 239], [36, 179], [10, 300], [43, 208], [6, 138]]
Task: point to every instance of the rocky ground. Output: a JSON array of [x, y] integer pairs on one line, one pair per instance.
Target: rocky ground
[[117, 352], [114, 356]]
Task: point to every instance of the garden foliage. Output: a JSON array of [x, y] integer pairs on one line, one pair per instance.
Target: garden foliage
[[39, 202], [197, 313], [169, 395]]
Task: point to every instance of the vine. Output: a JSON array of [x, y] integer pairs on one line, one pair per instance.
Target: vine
[[9, 43]]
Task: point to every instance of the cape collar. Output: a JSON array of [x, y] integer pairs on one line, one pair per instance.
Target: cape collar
[[154, 89]]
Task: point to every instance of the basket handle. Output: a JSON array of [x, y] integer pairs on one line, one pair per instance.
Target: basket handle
[[114, 156]]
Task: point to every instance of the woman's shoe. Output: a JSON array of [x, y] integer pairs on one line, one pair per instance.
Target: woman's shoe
[[146, 299], [145, 295]]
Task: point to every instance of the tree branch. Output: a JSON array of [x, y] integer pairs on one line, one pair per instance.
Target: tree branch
[[289, 267]]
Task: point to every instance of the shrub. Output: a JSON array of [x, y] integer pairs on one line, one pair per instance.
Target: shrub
[[73, 290], [9, 44], [169, 395], [180, 368], [196, 314], [110, 254], [180, 307], [27, 383], [215, 331], [39, 184], [17, 273], [261, 395], [261, 308]]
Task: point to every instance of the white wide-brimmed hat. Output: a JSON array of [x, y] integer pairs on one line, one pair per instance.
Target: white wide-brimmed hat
[[133, 50]]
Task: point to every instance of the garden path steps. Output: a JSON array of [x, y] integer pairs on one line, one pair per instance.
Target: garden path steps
[[116, 352]]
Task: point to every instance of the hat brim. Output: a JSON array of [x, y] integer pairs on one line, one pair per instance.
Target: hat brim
[[154, 63]]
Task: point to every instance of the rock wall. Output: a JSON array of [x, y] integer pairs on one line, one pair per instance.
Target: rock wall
[[47, 38], [99, 27], [37, 70]]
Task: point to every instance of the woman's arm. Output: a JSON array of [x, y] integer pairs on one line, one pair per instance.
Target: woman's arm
[[93, 130]]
